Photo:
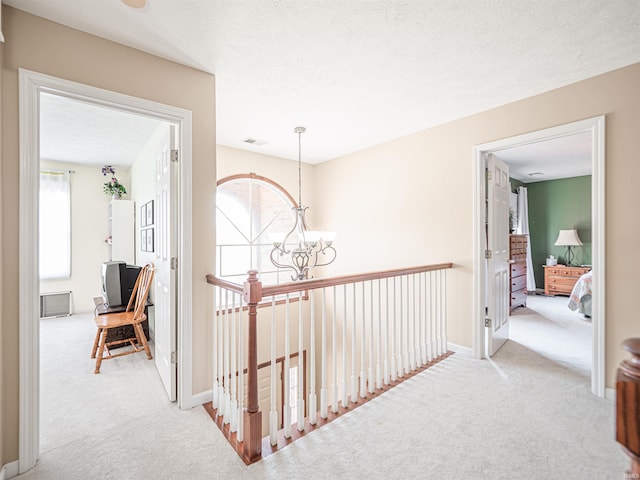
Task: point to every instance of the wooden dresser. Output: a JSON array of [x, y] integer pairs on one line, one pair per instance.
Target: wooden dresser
[[560, 279], [518, 271]]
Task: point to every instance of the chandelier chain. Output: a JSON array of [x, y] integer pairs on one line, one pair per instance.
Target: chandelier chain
[[299, 168]]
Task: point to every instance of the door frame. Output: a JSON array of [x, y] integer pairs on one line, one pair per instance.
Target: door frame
[[31, 84], [595, 126]]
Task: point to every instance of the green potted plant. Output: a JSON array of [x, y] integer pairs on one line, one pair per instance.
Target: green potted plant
[[113, 188]]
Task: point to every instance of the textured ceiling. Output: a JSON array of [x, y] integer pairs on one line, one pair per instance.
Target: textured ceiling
[[78, 132], [561, 157], [358, 73]]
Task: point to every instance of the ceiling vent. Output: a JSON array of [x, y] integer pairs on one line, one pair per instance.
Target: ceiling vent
[[253, 141], [536, 174]]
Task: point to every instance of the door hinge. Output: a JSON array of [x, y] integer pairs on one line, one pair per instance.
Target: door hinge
[[487, 254], [488, 174], [174, 263], [174, 357], [174, 155], [487, 322]]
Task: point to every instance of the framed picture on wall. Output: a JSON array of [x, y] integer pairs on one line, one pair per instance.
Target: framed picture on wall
[[147, 240], [143, 240], [143, 216], [150, 239], [149, 212]]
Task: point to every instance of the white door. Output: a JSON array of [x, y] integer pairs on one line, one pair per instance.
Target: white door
[[166, 264], [498, 248]]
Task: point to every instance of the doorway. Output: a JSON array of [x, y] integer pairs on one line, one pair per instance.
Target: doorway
[[595, 127], [32, 84]]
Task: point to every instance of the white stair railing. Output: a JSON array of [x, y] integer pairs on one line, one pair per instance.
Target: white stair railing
[[375, 330]]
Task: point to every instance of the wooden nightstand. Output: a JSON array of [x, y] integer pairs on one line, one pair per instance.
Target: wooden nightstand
[[560, 279]]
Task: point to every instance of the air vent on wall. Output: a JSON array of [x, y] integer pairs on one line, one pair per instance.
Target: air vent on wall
[[253, 141]]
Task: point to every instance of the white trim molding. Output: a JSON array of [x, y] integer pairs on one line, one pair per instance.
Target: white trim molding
[[31, 84], [454, 347], [9, 470], [596, 127], [201, 398], [610, 394]]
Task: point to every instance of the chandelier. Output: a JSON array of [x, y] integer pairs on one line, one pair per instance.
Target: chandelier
[[301, 249]]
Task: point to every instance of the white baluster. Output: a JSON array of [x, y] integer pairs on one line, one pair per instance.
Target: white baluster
[[363, 378], [234, 372], [423, 350], [444, 311], [227, 392], [343, 378], [334, 357], [273, 399], [410, 328], [407, 340], [300, 406], [401, 349], [323, 380], [394, 330], [286, 410], [240, 434], [386, 338], [434, 332], [220, 353], [415, 348], [216, 308], [313, 400], [371, 380], [354, 380], [379, 349]]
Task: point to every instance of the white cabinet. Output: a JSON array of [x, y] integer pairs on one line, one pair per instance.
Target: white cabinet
[[121, 231]]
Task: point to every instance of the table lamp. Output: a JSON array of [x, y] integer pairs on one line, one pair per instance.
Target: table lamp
[[569, 239]]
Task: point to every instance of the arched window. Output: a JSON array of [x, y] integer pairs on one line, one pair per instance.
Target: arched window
[[248, 209]]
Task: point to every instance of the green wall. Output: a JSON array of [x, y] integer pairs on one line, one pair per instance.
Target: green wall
[[559, 205]]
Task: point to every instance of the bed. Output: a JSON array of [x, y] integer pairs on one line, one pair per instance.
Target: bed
[[580, 298]]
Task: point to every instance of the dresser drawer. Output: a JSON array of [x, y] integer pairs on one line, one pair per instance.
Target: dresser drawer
[[519, 283], [518, 269], [559, 271], [519, 298], [578, 272], [571, 281], [555, 288]]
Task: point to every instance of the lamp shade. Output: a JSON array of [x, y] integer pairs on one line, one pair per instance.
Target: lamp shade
[[568, 238]]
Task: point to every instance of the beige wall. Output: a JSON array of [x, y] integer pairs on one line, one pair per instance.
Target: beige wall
[[412, 197], [36, 44], [88, 233]]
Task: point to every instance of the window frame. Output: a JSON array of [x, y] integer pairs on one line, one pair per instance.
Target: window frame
[[255, 177]]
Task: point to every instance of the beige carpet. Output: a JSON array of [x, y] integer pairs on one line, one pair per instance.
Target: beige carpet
[[521, 415]]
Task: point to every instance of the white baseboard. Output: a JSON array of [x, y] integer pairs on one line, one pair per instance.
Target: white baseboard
[[201, 398], [9, 470], [460, 349], [610, 394]]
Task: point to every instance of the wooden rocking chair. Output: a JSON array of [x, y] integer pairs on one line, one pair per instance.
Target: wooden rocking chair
[[133, 317]]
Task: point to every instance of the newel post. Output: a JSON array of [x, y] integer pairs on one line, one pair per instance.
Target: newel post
[[252, 416], [628, 405]]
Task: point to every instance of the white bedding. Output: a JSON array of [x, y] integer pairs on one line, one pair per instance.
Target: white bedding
[[581, 294]]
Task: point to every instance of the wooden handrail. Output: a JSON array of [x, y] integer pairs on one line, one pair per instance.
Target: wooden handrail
[[313, 284], [218, 282]]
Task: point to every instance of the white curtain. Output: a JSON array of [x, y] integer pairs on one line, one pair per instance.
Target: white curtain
[[523, 229], [55, 224]]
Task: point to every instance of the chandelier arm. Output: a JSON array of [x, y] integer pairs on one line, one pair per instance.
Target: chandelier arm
[[278, 264], [323, 251]]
